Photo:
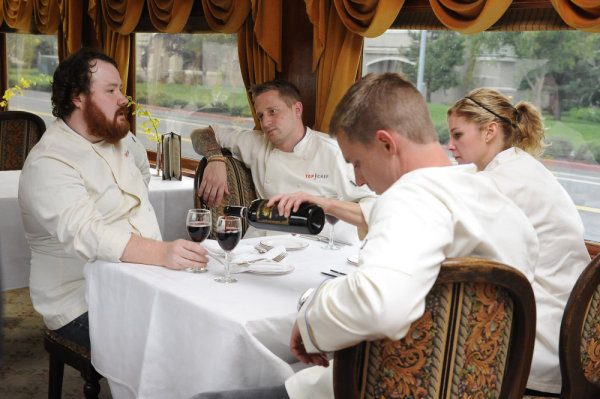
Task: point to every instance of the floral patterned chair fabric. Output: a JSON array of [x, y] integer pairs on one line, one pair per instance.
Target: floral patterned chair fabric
[[19, 132], [579, 347], [475, 340], [239, 179]]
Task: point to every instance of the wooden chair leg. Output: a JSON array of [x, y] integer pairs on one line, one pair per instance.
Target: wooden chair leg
[[91, 389], [56, 372]]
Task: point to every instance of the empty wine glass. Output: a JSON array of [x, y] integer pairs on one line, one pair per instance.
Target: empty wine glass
[[332, 220], [198, 224], [229, 232]]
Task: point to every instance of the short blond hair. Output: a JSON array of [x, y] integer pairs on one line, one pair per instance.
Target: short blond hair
[[385, 101]]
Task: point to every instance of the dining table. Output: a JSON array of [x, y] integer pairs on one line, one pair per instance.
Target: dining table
[[162, 333], [170, 198]]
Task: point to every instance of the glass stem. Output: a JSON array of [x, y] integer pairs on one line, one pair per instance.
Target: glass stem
[[331, 236], [227, 265]]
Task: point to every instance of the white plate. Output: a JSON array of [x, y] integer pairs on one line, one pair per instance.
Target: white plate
[[290, 243], [353, 259], [285, 268]]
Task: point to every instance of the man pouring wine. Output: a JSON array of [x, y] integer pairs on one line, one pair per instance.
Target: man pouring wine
[[284, 158]]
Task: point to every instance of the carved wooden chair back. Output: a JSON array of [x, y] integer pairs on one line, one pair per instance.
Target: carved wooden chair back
[[239, 179], [474, 340], [19, 132], [579, 348]]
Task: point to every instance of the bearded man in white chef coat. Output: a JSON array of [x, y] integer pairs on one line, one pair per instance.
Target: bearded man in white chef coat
[[428, 210], [83, 194]]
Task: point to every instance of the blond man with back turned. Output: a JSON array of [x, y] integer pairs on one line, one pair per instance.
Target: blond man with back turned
[[428, 211]]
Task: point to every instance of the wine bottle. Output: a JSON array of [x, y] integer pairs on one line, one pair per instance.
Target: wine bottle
[[309, 219]]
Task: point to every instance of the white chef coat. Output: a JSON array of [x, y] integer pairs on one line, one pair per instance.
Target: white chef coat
[[426, 216], [80, 202], [563, 254], [315, 166]]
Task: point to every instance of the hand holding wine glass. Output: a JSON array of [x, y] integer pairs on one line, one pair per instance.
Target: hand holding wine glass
[[198, 224], [229, 233]]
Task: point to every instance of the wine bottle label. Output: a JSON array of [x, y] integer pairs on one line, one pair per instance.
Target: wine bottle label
[[269, 214]]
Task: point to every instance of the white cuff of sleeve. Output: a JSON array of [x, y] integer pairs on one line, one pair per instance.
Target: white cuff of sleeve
[[112, 244]]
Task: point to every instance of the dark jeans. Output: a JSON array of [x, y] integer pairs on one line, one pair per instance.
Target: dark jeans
[[277, 392], [77, 331]]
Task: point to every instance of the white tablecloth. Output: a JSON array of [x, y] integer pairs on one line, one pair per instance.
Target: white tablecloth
[[170, 198], [158, 333]]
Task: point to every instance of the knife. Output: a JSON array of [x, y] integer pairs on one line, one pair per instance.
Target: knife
[[323, 239]]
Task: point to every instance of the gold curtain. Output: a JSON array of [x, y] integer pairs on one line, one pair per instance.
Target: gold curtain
[[368, 18], [47, 16], [258, 25], [579, 14], [121, 16], [469, 16], [337, 57], [17, 13], [169, 16], [226, 16], [70, 29], [114, 44], [338, 30]]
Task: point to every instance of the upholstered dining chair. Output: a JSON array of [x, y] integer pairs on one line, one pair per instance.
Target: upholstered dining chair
[[579, 347], [239, 179], [474, 340], [63, 351], [19, 132]]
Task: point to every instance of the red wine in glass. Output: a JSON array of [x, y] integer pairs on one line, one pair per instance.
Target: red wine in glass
[[229, 239], [229, 233], [198, 230], [197, 223]]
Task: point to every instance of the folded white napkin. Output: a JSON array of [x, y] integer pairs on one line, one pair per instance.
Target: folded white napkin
[[243, 253]]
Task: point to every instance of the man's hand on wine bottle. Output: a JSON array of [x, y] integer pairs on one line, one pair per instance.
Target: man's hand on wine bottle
[[291, 202], [214, 183]]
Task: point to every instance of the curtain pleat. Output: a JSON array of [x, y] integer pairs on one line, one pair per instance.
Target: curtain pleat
[[69, 30], [337, 57], [226, 16], [256, 64], [583, 15], [17, 13], [469, 16], [267, 16], [163, 17], [368, 18], [122, 16], [114, 44], [47, 16]]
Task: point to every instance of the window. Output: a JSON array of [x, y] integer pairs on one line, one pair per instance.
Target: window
[[29, 57], [189, 81], [557, 71]]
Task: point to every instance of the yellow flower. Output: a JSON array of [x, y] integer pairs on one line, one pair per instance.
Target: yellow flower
[[139, 112], [24, 84]]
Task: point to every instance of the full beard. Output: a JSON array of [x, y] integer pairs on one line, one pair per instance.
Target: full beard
[[99, 126]]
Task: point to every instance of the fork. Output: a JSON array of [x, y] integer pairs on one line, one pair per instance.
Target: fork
[[278, 258]]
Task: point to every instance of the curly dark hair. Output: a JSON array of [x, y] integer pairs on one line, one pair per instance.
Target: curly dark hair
[[72, 78]]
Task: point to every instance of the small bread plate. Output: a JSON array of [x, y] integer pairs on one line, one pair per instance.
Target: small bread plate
[[290, 243], [264, 269], [353, 259]]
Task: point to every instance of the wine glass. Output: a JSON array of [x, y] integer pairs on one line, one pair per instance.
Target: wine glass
[[198, 224], [229, 232], [332, 220]]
